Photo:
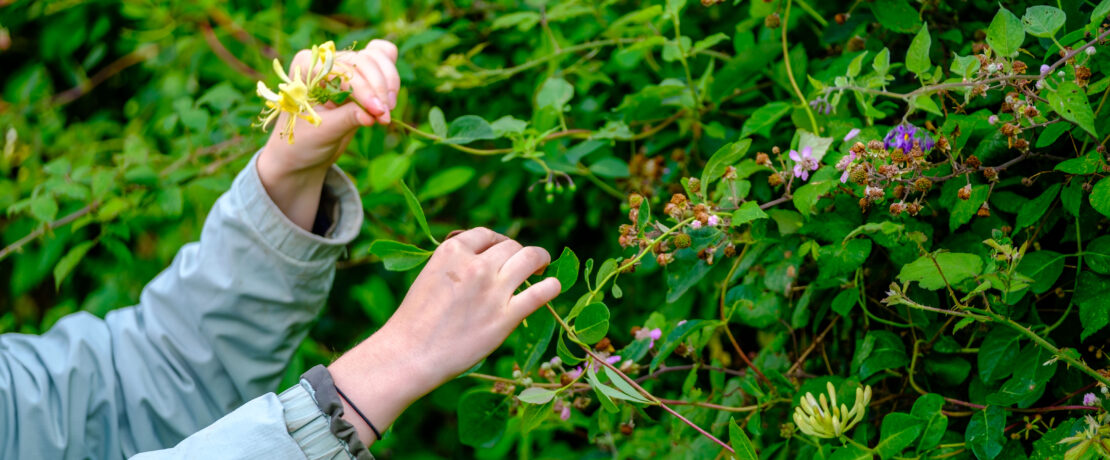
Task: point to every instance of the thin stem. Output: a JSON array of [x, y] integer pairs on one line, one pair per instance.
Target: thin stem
[[790, 69], [16, 246]]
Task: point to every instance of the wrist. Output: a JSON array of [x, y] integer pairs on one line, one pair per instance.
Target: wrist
[[382, 377], [296, 192]]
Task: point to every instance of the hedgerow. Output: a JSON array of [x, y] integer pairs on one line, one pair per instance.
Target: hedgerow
[[784, 229]]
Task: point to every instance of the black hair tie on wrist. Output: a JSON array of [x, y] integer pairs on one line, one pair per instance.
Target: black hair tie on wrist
[[359, 412]]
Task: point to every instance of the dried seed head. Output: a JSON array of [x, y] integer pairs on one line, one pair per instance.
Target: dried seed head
[[1020, 67], [730, 173], [896, 208], [964, 193], [984, 210], [898, 156], [991, 174], [859, 175], [604, 345], [913, 208], [774, 180], [875, 145], [775, 150], [762, 159], [973, 162], [635, 200], [923, 184], [682, 241], [772, 21], [858, 148], [664, 259]]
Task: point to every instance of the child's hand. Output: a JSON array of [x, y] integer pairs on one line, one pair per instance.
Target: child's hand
[[459, 309], [293, 174]]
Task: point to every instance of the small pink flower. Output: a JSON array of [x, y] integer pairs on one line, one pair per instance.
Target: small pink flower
[[575, 373], [714, 220], [613, 359], [565, 414], [681, 323], [851, 134], [695, 224], [803, 162], [1090, 399], [653, 334]]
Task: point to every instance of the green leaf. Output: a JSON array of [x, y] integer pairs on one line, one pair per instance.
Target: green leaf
[[469, 128], [997, 352], [917, 58], [851, 452], [555, 93], [899, 430], [748, 212], [1100, 196], [740, 441], [399, 256], [629, 393], [1100, 11], [483, 417], [844, 301], [1087, 164], [610, 167], [534, 338], [956, 267], [1097, 255], [1070, 102], [1005, 33], [536, 395], [600, 389], [1043, 21], [1093, 298], [764, 118], [881, 350], [417, 212], [896, 15], [446, 181], [44, 208], [806, 197], [387, 169], [928, 408], [68, 262], [1071, 197], [1034, 209], [564, 353], [724, 157], [985, 432], [565, 269], [1044, 267], [439, 124], [881, 63], [593, 323]]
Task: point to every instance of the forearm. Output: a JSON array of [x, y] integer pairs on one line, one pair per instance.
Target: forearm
[[296, 192], [382, 379]]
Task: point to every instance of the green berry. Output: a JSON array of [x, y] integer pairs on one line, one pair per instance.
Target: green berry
[[550, 198], [549, 187]]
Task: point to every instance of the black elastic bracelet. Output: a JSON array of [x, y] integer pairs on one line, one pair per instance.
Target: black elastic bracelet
[[359, 412]]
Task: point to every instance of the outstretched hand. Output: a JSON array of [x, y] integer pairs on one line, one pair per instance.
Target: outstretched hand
[[461, 307]]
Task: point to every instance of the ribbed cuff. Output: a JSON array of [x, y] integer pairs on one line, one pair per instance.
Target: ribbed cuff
[[327, 401], [288, 238], [313, 419]]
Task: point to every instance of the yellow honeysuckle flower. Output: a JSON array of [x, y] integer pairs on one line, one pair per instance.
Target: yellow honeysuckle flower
[[295, 95], [815, 417]]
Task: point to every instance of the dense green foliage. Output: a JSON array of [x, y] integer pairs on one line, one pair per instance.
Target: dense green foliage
[[961, 268]]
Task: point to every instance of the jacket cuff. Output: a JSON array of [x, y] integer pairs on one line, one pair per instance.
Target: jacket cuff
[[286, 237], [312, 429]]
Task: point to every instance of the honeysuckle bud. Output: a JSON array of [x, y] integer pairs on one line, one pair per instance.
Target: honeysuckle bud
[[823, 418]]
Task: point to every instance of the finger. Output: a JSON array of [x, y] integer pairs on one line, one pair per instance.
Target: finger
[[389, 71], [345, 117], [373, 78], [361, 91], [501, 252], [523, 264], [527, 301], [477, 240], [384, 46]]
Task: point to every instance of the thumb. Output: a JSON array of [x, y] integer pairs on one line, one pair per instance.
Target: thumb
[[338, 121], [527, 301]]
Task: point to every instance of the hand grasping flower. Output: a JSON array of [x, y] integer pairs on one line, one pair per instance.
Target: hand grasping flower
[[297, 96]]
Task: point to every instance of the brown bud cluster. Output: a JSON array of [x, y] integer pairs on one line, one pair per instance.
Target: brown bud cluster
[[923, 184], [898, 156], [897, 208], [973, 162], [635, 200], [964, 193], [1020, 67], [859, 175], [772, 21], [990, 174], [913, 208], [664, 259], [875, 145], [762, 159], [682, 241], [984, 210], [774, 180], [858, 148], [604, 345], [1082, 75]]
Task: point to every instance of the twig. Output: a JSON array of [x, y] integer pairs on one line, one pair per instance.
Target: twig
[[139, 55], [224, 54], [805, 354], [16, 246]]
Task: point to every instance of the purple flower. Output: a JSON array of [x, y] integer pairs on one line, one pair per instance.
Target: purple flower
[[851, 134], [613, 359], [803, 162], [565, 414], [575, 373], [905, 135], [1090, 399], [695, 224], [653, 334], [845, 164], [714, 220], [1045, 68], [993, 119]]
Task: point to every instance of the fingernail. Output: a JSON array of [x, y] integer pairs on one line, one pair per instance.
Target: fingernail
[[392, 95], [377, 105], [385, 118]]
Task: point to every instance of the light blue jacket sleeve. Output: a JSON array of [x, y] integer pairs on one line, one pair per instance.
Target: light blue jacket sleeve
[[214, 330]]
